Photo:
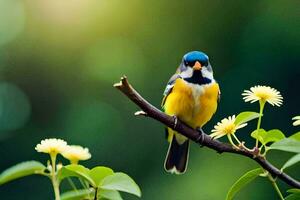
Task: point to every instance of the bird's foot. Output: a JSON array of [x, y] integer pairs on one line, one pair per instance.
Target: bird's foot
[[200, 138]]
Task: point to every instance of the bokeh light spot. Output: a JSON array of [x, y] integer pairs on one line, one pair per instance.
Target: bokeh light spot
[[14, 107]]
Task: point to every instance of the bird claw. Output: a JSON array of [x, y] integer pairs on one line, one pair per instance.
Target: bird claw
[[200, 138]]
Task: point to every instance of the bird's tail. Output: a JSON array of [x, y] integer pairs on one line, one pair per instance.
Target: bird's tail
[[177, 156]]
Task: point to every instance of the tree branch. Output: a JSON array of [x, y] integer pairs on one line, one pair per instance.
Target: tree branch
[[199, 138]]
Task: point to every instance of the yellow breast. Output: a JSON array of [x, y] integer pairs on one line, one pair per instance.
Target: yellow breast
[[208, 105], [191, 103]]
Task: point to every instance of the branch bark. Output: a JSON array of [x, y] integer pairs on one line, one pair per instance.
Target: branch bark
[[194, 135]]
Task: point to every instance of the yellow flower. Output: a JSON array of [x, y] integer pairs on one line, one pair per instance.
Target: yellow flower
[[74, 153], [297, 121], [51, 146], [264, 94], [226, 127]]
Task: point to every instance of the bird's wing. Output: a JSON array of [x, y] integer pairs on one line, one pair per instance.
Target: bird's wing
[[169, 87]]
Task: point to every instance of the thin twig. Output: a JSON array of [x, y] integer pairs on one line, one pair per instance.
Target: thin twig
[[193, 134]]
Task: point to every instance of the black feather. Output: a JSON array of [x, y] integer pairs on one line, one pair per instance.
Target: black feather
[[177, 156]]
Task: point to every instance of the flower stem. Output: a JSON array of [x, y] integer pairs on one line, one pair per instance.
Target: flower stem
[[74, 162], [241, 144], [234, 136], [261, 109], [54, 178], [231, 142], [275, 186]]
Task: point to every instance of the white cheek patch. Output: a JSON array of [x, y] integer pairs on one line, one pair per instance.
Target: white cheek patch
[[188, 73], [207, 74]]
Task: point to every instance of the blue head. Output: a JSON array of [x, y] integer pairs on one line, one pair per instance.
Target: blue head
[[190, 58], [195, 68]]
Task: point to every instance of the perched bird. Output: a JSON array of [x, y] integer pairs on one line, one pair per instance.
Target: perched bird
[[192, 96]]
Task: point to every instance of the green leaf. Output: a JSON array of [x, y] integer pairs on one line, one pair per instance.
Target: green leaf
[[264, 137], [77, 171], [78, 195], [109, 194], [242, 182], [296, 136], [260, 134], [99, 173], [121, 182], [293, 160], [294, 190], [295, 196], [273, 135], [287, 144], [20, 170], [244, 117]]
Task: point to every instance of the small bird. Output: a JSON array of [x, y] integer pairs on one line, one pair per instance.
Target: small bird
[[191, 95]]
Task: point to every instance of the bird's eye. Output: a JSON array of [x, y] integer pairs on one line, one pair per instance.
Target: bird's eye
[[188, 63]]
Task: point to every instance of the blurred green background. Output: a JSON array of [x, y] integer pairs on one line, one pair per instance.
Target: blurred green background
[[60, 58]]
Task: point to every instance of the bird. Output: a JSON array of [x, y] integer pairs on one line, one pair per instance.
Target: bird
[[191, 95]]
